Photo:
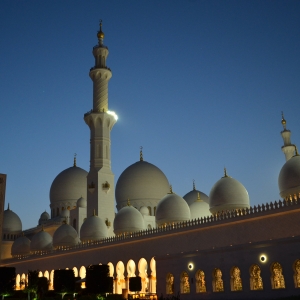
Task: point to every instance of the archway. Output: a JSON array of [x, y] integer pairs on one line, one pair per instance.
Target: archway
[[297, 273], [256, 282], [51, 287], [152, 277], [277, 277], [200, 282], [18, 279], [184, 283], [143, 267], [217, 281], [120, 284], [75, 271], [82, 274], [170, 284], [235, 279]]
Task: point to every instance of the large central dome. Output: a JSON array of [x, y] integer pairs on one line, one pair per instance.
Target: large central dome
[[144, 184]]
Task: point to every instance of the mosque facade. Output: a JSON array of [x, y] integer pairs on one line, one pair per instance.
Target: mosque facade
[[214, 246]]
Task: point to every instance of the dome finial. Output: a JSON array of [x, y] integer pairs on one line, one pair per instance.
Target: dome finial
[[8, 206], [74, 164], [141, 154], [225, 173], [128, 202], [198, 197], [194, 186], [171, 191], [100, 34], [283, 121], [94, 212]]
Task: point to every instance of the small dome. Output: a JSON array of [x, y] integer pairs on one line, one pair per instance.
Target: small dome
[[172, 209], [21, 246], [41, 241], [44, 218], [65, 236], [191, 196], [68, 186], [81, 202], [93, 229], [199, 209], [144, 211], [11, 222], [228, 194], [128, 219], [289, 177], [141, 182]]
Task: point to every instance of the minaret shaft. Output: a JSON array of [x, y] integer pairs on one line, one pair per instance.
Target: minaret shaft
[[288, 148]]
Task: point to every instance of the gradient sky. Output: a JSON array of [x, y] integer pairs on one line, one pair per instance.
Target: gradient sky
[[199, 84]]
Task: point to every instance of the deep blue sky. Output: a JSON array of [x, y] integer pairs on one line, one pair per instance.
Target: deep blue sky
[[199, 84]]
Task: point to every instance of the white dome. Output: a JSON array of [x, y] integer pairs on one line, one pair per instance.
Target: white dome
[[141, 182], [191, 196], [44, 218], [68, 186], [172, 209], [128, 219], [199, 209], [65, 236], [21, 246], [41, 241], [93, 229], [81, 202], [289, 177], [144, 211], [11, 222], [228, 194]]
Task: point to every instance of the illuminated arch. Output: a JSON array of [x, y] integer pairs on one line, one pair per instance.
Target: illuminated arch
[[170, 284], [296, 267], [40, 274], [184, 283], [51, 287], [277, 278], [82, 274], [23, 282], [75, 270], [18, 279], [131, 268], [143, 268], [111, 269], [120, 269], [200, 282], [218, 285], [256, 282], [152, 277], [235, 279], [46, 274]]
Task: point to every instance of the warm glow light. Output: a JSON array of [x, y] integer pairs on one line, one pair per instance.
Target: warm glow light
[[113, 114], [263, 258], [191, 266]]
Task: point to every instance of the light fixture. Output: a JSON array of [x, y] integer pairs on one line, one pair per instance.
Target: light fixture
[[263, 258], [191, 266]]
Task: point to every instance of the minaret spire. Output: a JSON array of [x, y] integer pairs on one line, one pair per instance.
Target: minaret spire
[[141, 154], [288, 148], [100, 180]]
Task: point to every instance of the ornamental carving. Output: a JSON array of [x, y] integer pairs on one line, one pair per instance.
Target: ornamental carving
[[236, 279], [185, 283], [297, 273], [170, 284], [200, 282], [256, 280], [278, 279], [218, 281]]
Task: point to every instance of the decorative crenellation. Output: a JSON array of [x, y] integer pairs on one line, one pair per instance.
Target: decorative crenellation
[[224, 216]]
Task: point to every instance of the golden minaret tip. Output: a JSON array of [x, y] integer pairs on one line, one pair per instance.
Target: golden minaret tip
[[283, 121], [171, 191], [225, 173], [128, 202], [100, 33]]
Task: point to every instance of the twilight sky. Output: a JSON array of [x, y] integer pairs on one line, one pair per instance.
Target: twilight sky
[[199, 84]]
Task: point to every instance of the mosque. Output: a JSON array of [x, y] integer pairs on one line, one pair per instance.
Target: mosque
[[214, 246]]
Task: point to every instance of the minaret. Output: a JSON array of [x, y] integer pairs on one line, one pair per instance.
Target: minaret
[[288, 149], [100, 180]]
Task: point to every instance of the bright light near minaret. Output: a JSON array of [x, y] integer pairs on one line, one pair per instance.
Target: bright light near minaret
[[113, 114]]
